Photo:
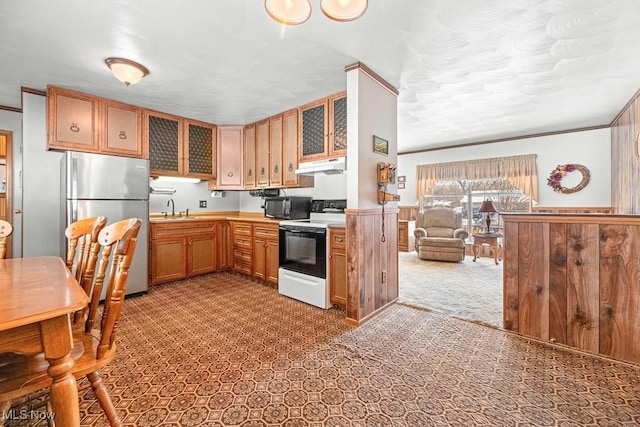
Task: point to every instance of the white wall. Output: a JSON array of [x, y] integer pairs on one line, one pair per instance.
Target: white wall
[[325, 187], [589, 148], [188, 196], [371, 110]]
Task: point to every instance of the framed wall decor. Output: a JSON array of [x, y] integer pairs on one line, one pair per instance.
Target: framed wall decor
[[402, 178], [400, 185], [380, 145]]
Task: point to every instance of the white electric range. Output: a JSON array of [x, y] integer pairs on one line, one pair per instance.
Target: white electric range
[[304, 253]]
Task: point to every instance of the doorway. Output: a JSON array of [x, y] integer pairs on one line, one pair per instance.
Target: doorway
[[6, 187]]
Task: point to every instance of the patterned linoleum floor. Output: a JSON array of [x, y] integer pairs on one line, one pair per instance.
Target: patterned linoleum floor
[[224, 350]]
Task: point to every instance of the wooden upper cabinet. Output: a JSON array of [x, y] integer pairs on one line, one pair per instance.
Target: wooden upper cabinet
[[262, 153], [338, 125], [323, 128], [180, 147], [73, 119], [290, 147], [230, 161], [250, 156], [122, 129], [290, 152], [199, 149], [166, 151], [275, 151], [87, 123], [314, 131]]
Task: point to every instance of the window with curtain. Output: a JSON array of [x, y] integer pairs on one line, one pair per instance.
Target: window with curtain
[[467, 197], [521, 171]]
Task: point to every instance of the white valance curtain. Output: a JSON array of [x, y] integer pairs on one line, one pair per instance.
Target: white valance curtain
[[521, 171]]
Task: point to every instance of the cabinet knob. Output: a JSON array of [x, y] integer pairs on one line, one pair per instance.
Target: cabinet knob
[[262, 171], [290, 167], [275, 169], [250, 173], [122, 135], [230, 174], [74, 127]]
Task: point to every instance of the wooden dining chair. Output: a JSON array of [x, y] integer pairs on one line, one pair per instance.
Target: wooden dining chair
[[82, 253], [5, 231], [93, 348]]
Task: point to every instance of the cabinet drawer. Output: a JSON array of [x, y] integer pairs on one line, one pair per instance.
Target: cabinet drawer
[[242, 242], [182, 229], [338, 239], [265, 231], [241, 255], [241, 228], [242, 267]]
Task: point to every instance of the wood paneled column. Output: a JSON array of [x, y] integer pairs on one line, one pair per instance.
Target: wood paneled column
[[372, 265], [372, 262]]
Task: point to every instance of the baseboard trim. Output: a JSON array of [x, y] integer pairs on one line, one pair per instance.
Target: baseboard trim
[[355, 322]]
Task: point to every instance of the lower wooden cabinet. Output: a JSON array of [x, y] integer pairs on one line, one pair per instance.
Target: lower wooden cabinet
[[168, 260], [225, 248], [185, 248], [338, 266], [242, 235], [201, 255], [266, 252], [182, 249]]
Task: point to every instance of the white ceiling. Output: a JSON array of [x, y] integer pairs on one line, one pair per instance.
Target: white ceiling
[[467, 70]]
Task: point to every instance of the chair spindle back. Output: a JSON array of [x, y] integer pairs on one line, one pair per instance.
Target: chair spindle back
[[118, 243], [5, 231]]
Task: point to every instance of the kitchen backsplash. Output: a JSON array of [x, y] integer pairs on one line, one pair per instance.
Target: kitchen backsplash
[[188, 196]]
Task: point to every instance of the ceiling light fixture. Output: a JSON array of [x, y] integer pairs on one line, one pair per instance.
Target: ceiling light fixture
[[127, 71], [294, 12], [343, 10]]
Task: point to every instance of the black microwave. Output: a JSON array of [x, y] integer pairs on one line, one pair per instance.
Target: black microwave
[[289, 207]]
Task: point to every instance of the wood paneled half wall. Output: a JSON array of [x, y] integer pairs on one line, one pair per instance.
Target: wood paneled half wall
[[573, 279], [372, 264]]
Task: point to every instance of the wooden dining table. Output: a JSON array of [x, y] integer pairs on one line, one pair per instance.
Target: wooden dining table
[[38, 295]]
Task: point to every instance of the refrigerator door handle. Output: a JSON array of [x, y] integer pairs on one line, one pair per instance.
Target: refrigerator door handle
[[74, 211], [74, 178]]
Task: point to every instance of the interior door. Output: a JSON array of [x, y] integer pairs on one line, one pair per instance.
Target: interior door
[[6, 189]]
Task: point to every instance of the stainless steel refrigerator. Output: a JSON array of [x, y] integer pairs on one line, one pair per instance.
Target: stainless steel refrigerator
[[114, 187]]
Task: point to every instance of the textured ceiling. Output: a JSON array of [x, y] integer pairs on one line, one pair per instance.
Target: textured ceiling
[[467, 70]]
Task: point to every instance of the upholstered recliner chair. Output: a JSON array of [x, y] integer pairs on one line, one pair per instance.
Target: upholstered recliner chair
[[439, 235]]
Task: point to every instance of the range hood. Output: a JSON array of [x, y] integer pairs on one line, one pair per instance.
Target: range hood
[[324, 166]]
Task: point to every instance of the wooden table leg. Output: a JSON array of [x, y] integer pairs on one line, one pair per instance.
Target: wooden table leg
[[58, 343], [475, 252]]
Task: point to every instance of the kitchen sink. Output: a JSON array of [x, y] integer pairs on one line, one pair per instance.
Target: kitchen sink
[[183, 217]]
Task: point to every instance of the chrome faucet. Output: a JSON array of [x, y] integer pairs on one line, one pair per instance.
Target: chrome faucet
[[173, 207]]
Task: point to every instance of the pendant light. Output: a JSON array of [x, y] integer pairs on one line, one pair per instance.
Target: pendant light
[[288, 12], [343, 10], [294, 12], [127, 71]]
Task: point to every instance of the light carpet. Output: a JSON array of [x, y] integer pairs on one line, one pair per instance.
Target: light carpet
[[466, 290]]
